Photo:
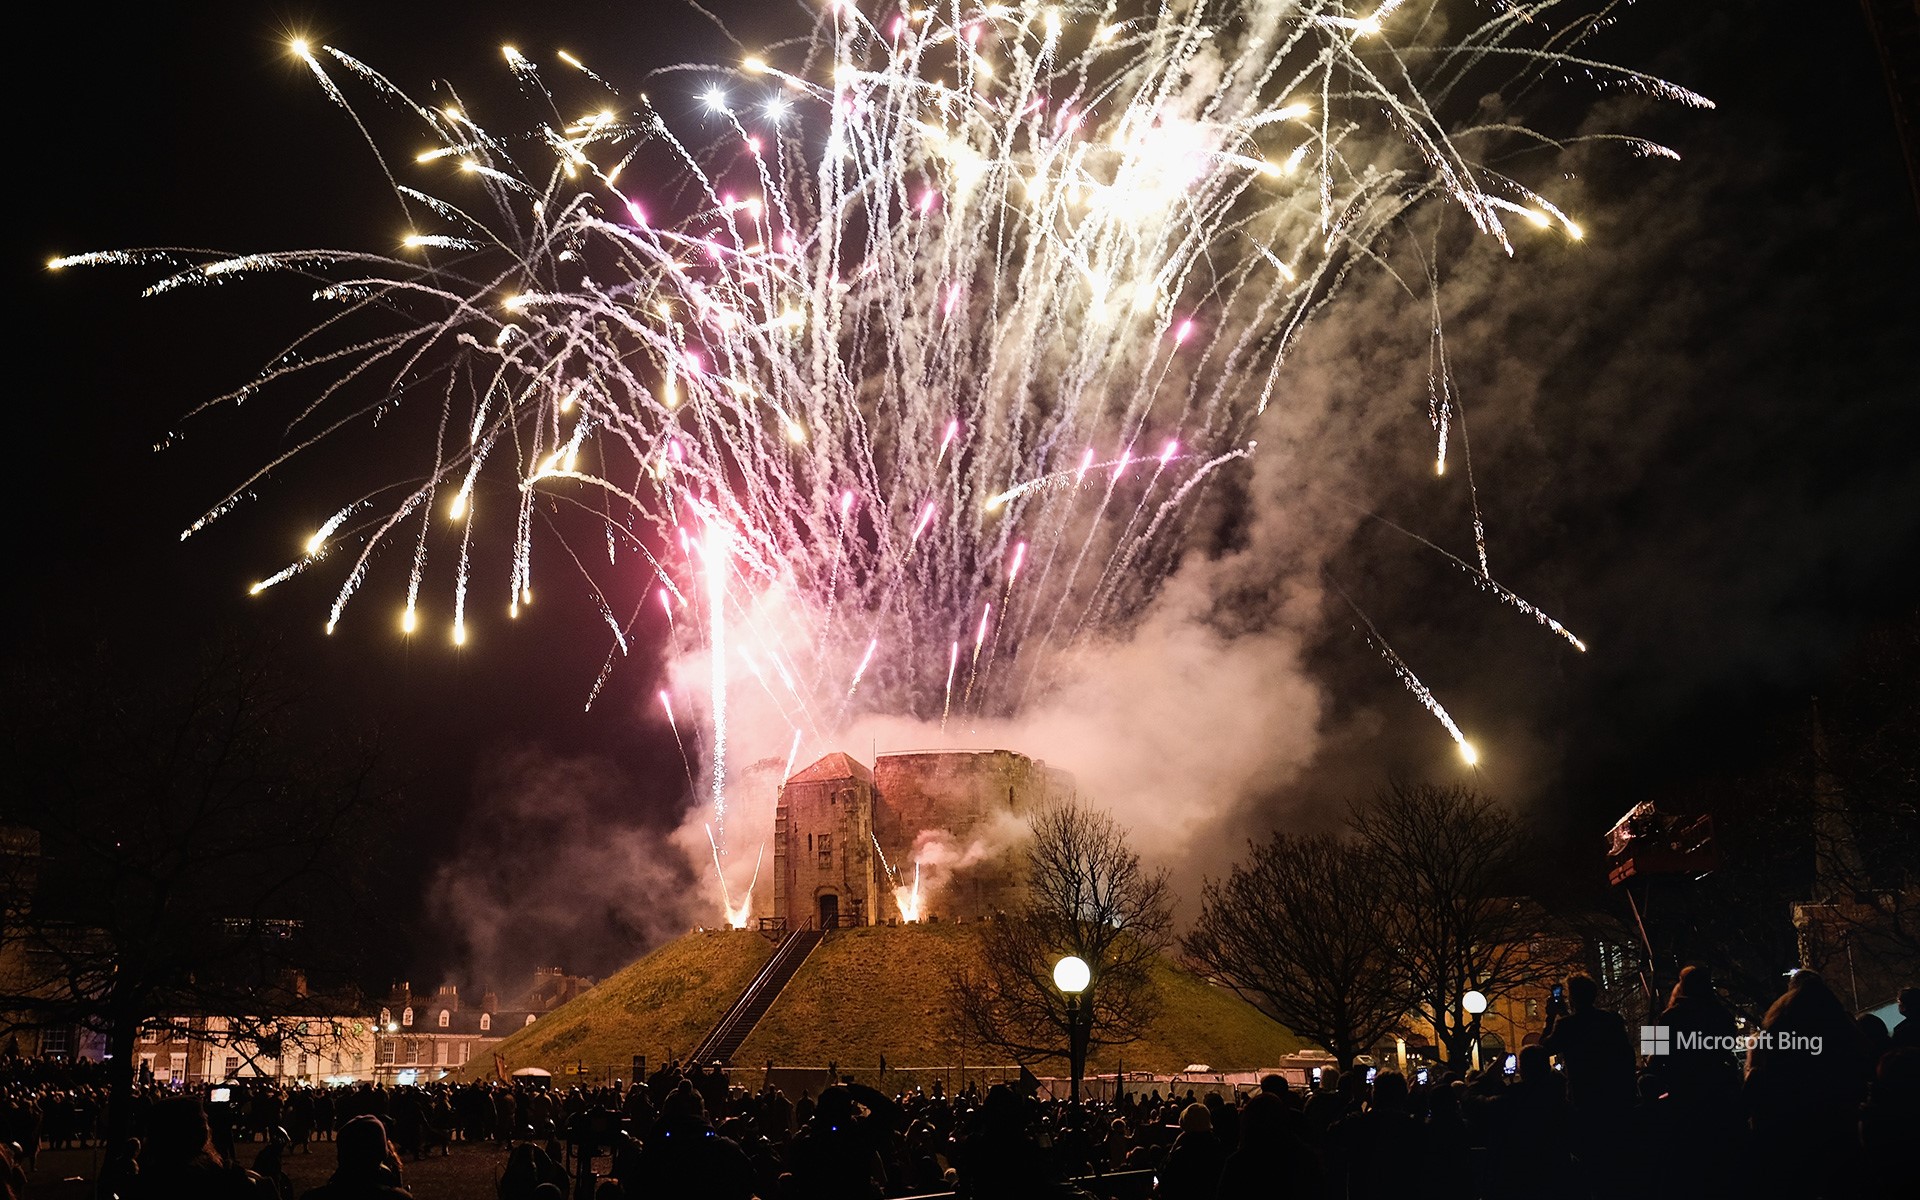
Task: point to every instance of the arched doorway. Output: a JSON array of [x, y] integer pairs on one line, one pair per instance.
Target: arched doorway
[[829, 910]]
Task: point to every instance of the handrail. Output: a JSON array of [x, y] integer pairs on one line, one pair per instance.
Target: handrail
[[795, 946]]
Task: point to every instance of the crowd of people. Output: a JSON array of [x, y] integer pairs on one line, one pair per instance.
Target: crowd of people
[[1580, 1113]]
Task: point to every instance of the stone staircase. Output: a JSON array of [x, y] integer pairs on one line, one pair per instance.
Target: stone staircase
[[733, 1027]]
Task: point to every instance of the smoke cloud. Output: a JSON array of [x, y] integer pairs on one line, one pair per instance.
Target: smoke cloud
[[1634, 410], [549, 869]]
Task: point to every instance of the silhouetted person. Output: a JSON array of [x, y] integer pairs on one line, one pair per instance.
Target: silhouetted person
[[1326, 1106], [1528, 1133], [1906, 1035], [267, 1165], [120, 1174], [179, 1159], [13, 1180], [1380, 1146], [1688, 1127], [834, 1155], [1000, 1161], [1447, 1147], [1192, 1167], [1805, 1079], [1875, 1041], [687, 1157], [1597, 1058], [1887, 1122], [366, 1166], [1702, 1068], [1594, 1051], [527, 1168], [1273, 1158]]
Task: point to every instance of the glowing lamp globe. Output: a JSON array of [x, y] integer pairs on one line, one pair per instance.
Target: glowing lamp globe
[[1474, 1002], [1072, 975]]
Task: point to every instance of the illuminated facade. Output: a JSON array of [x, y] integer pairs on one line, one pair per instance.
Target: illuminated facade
[[922, 835]]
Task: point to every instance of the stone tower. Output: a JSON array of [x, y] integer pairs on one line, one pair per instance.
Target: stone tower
[[846, 839], [824, 873]]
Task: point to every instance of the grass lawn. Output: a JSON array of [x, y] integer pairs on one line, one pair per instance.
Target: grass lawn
[[660, 1006], [470, 1173]]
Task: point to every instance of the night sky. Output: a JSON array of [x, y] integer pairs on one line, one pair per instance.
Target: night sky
[[1694, 433]]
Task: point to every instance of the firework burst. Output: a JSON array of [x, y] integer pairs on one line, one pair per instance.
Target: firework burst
[[927, 293]]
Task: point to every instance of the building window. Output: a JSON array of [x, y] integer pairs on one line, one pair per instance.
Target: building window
[[177, 1068], [386, 1017], [233, 1065], [387, 1052], [444, 1015], [486, 1022], [406, 1016], [826, 849], [53, 1042]]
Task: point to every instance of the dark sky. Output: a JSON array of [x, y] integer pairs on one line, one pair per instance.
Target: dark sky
[[1696, 444]]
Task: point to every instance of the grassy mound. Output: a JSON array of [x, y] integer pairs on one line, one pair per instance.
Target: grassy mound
[[873, 992], [660, 1006], [862, 994]]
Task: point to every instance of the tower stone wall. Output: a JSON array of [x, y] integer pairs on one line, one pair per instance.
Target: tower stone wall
[[823, 859], [845, 832]]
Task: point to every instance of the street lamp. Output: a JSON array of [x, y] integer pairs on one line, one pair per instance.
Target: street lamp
[[1475, 1003], [1072, 975]]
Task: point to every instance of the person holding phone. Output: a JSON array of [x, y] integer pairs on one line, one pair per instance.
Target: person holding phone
[[1592, 1045], [1597, 1058]]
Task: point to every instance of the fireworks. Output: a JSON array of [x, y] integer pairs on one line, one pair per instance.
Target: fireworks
[[939, 318]]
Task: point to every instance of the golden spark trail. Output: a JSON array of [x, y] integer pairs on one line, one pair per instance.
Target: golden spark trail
[[851, 319]]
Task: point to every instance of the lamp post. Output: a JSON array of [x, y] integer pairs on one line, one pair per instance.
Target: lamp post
[[1072, 975], [1475, 1003]]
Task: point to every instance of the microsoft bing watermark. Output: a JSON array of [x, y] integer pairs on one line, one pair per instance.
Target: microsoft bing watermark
[[1658, 1041]]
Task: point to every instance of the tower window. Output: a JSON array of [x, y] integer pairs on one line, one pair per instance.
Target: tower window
[[826, 849]]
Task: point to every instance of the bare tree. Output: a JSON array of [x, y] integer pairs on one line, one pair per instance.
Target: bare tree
[[195, 848], [1293, 931], [1818, 844], [1087, 895], [1450, 859], [1863, 767]]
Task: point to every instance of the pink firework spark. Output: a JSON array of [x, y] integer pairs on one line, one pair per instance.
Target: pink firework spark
[[860, 671]]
